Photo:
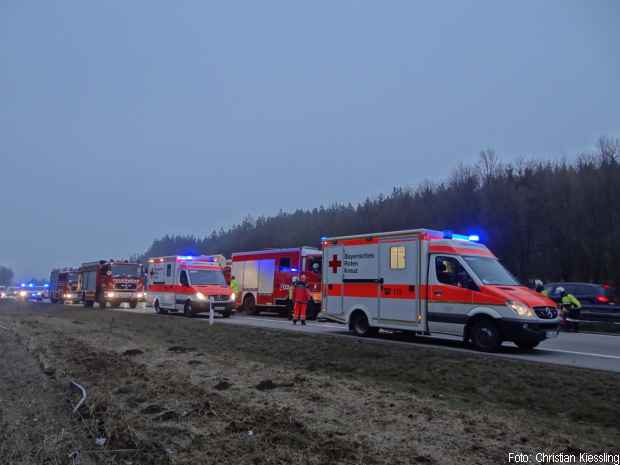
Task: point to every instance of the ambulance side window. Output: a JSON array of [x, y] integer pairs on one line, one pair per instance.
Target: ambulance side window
[[449, 271], [168, 270], [183, 278], [397, 257]]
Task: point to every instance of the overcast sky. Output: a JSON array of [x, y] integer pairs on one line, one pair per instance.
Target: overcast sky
[[121, 121]]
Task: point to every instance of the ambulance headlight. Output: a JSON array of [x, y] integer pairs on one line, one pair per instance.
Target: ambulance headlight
[[139, 295], [201, 296], [110, 294], [2, 295], [23, 293], [520, 309], [68, 296], [233, 296]]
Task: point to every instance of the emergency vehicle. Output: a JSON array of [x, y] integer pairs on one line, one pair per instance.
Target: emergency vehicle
[[64, 285], [265, 277], [431, 282], [111, 282], [189, 284]]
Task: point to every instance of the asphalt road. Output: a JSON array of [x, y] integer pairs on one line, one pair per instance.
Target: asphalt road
[[585, 350], [596, 351]]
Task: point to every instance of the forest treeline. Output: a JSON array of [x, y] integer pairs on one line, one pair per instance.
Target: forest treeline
[[554, 220]]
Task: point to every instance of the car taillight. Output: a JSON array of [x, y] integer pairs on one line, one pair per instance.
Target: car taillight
[[602, 299]]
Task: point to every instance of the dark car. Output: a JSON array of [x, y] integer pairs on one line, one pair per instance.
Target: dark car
[[597, 300], [586, 293]]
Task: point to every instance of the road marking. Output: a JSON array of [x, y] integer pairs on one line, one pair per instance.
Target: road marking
[[3, 327], [589, 354], [288, 322]]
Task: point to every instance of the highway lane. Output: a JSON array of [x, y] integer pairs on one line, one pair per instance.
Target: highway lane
[[584, 350]]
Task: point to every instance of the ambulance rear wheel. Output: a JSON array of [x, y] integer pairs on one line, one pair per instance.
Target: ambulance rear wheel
[[485, 335], [133, 304], [360, 325], [187, 310], [158, 309]]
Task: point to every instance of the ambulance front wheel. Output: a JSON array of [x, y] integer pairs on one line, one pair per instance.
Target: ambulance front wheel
[[360, 325], [187, 310], [485, 335]]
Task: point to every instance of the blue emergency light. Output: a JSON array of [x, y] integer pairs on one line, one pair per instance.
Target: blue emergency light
[[461, 237], [185, 257]]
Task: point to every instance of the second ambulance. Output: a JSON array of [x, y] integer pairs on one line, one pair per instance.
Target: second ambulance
[[430, 282], [189, 284]]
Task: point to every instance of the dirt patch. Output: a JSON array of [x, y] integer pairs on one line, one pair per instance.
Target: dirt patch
[[132, 352], [181, 349]]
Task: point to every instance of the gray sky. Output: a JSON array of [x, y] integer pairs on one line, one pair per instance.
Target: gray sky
[[123, 121]]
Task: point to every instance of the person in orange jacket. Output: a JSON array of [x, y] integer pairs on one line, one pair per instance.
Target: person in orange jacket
[[301, 297]]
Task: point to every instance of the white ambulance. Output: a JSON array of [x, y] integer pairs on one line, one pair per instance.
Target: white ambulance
[[431, 282], [189, 284]]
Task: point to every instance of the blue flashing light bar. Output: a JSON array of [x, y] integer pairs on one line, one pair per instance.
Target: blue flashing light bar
[[46, 285], [185, 257], [294, 269], [461, 237], [30, 285], [23, 284]]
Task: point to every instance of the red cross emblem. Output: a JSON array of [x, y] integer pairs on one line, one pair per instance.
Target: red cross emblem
[[334, 264]]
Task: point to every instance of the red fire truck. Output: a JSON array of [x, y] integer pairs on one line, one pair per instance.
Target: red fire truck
[[112, 281], [64, 285], [265, 276]]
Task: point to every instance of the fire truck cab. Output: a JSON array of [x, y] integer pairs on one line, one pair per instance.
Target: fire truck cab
[[265, 277], [111, 282], [431, 282], [64, 285], [189, 284]]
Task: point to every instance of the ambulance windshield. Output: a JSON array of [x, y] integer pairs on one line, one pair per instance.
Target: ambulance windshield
[[206, 277], [125, 269], [491, 271]]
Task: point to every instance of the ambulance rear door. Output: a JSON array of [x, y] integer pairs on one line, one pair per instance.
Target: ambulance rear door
[[399, 303]]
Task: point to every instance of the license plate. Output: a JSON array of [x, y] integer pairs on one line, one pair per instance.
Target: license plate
[[219, 307]]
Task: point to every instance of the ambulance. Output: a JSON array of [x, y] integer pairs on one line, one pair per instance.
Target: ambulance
[[189, 284], [431, 282]]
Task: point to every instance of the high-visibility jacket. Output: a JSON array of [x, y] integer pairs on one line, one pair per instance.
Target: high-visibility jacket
[[301, 293], [234, 286], [570, 299]]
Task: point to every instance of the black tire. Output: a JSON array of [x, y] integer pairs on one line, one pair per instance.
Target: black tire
[[158, 309], [485, 335], [187, 310], [249, 304], [133, 304], [361, 327], [89, 303], [526, 346], [227, 313]]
